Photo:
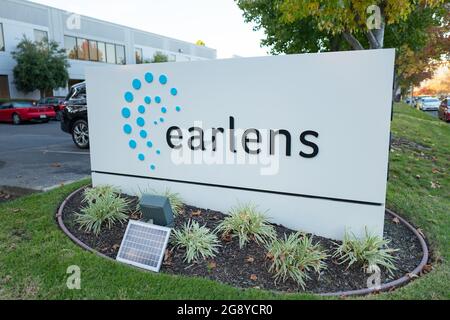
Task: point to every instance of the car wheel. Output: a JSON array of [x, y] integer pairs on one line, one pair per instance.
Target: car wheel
[[16, 119], [80, 134]]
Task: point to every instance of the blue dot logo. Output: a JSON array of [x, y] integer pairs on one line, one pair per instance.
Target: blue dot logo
[[137, 84], [129, 97], [143, 134], [149, 77], [126, 113], [127, 129], [140, 122], [137, 112], [163, 79]]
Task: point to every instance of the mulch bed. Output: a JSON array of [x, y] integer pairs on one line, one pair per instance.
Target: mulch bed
[[248, 267]]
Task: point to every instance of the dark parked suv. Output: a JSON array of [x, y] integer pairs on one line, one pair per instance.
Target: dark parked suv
[[74, 118]]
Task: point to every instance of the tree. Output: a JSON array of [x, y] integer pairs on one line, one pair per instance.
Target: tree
[[438, 85], [287, 36], [422, 43], [299, 26], [159, 57], [200, 43], [354, 18], [40, 66]]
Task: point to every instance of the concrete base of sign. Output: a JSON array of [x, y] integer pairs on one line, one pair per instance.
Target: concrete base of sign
[[297, 213]]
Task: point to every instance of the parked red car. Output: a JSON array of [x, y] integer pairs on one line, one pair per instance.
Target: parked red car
[[20, 111], [57, 103], [444, 110]]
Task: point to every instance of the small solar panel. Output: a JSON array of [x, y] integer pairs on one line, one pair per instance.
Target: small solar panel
[[144, 245]]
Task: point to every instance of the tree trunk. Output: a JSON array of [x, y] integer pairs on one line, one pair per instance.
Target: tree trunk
[[352, 41], [335, 43], [396, 87], [376, 38]]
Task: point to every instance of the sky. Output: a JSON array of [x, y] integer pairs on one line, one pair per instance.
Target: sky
[[219, 23]]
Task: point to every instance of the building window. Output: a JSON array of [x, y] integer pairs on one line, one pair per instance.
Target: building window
[[93, 52], [40, 35], [2, 40], [172, 58], [101, 46], [110, 53], [83, 49], [139, 55], [70, 43], [120, 54], [4, 87]]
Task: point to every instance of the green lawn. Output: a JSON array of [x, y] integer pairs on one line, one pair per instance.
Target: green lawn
[[35, 254]]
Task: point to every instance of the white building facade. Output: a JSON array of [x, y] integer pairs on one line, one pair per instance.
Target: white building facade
[[88, 42]]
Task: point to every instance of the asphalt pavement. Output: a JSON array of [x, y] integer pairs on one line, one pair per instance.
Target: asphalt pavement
[[39, 156]]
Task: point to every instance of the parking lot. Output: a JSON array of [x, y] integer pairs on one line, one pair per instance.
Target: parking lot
[[39, 156]]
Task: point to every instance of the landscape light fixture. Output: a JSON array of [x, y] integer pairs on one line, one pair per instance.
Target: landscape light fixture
[[156, 210]]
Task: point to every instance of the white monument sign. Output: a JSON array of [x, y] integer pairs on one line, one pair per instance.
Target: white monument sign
[[305, 137]]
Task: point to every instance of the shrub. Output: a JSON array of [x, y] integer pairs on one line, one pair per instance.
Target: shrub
[[294, 256], [371, 252], [246, 223], [106, 209], [176, 202], [92, 194], [198, 241], [159, 57]]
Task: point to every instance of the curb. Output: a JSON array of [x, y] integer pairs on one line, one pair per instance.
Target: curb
[[18, 191], [385, 287]]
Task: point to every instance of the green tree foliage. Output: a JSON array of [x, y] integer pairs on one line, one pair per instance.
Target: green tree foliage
[[417, 29], [159, 57], [353, 18], [40, 66]]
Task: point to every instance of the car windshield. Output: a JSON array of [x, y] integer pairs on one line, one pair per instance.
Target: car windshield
[[430, 100], [23, 104]]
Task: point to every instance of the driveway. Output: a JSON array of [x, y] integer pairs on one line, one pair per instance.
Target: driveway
[[39, 156]]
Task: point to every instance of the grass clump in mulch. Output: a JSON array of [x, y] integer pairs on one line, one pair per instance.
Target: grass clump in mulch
[[103, 207], [198, 241], [294, 257], [246, 223], [371, 252]]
